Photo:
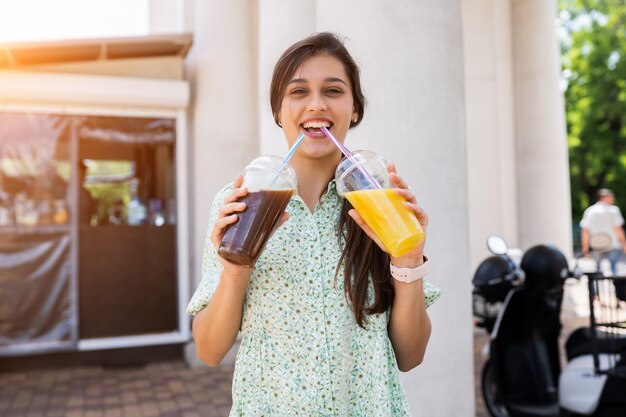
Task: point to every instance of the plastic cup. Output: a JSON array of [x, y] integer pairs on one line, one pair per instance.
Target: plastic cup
[[364, 180], [269, 192]]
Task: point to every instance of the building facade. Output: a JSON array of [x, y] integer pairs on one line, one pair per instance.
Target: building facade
[[463, 96]]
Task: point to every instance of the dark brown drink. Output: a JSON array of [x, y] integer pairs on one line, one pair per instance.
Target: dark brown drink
[[244, 240]]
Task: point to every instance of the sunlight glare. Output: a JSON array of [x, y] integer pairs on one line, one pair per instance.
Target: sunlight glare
[[45, 20]]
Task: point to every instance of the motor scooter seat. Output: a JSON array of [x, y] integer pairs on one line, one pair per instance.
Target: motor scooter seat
[[580, 343]]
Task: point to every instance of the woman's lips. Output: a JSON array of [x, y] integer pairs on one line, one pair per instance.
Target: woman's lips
[[313, 128]]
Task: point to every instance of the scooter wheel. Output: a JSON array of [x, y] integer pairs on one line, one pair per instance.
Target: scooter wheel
[[491, 391]]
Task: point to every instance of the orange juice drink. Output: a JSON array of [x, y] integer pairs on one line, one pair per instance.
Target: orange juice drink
[[385, 213]]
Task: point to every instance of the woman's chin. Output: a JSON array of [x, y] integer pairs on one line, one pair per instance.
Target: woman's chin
[[323, 155]]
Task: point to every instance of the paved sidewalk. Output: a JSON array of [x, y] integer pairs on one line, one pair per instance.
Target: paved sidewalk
[[167, 389]]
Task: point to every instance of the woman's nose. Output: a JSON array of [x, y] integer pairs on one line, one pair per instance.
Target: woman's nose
[[317, 102]]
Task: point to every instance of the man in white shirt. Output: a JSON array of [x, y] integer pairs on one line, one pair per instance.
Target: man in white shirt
[[602, 233]]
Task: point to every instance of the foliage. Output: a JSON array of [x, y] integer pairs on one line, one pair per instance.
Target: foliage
[[593, 48], [108, 181]]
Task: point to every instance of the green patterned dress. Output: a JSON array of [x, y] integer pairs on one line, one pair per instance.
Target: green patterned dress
[[302, 353]]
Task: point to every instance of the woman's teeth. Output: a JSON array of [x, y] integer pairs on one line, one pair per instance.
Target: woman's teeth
[[315, 125]]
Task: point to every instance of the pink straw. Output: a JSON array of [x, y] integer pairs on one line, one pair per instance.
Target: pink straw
[[351, 157], [342, 148]]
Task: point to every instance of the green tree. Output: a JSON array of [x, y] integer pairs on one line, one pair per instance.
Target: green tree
[[594, 69]]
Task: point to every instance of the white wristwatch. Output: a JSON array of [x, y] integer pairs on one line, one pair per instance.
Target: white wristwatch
[[410, 274]]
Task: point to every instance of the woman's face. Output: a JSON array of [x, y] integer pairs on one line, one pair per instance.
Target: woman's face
[[318, 94]]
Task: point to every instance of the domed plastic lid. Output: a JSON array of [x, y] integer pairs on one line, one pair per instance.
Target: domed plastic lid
[[365, 170], [268, 172]]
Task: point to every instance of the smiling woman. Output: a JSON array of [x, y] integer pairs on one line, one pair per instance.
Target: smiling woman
[[325, 326], [39, 20]]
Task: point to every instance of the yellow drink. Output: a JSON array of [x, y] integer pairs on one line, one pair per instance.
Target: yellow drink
[[385, 213]]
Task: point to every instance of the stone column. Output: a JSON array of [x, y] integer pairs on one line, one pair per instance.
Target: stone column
[[542, 160], [491, 172], [411, 58], [224, 121], [281, 23]]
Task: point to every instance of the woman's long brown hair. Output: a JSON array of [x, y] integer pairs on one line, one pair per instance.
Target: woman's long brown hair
[[363, 259]]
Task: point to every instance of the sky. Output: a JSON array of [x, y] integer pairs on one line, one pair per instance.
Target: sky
[[45, 20]]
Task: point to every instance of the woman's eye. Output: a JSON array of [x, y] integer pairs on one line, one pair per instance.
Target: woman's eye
[[297, 91], [334, 91]]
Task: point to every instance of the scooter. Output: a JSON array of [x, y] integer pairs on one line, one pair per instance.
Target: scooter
[[519, 304]]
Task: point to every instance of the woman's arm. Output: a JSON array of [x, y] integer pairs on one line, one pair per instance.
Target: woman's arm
[[215, 327], [409, 325]]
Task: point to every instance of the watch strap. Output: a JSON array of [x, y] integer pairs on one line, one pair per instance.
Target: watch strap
[[410, 274]]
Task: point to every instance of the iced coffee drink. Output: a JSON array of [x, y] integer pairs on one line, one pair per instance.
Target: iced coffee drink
[[270, 187]]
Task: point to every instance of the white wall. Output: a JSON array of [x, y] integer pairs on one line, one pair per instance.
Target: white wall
[[166, 16]]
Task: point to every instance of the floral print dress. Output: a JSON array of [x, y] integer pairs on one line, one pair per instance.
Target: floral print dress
[[302, 352]]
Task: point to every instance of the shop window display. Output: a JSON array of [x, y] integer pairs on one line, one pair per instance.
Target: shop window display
[[87, 227]]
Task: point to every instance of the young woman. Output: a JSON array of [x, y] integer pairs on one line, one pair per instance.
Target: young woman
[[325, 325]]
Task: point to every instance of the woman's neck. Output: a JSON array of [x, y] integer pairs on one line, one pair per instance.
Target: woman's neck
[[313, 178]]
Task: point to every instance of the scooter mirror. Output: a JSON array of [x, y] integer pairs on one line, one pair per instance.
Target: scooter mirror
[[497, 245]]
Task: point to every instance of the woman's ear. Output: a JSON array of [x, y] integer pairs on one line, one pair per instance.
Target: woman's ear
[[355, 117], [277, 119]]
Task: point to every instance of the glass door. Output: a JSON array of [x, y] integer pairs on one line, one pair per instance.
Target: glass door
[[127, 239]]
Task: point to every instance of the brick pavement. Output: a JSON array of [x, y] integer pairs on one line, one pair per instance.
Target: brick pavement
[[166, 389]]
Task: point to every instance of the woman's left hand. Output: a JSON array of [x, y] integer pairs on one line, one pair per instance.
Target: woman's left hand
[[416, 256]]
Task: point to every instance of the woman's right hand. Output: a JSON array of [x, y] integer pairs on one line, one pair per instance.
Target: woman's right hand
[[226, 216]]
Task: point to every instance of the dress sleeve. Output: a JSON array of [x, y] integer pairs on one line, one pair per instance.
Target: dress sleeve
[[211, 266], [431, 293]]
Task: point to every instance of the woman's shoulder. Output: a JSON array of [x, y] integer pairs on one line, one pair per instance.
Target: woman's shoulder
[[225, 189], [222, 193]]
